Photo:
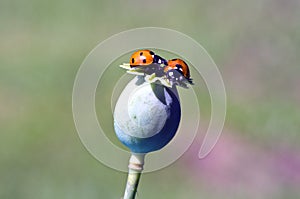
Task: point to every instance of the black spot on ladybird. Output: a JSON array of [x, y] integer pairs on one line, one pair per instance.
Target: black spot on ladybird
[[144, 60], [174, 59], [141, 53], [132, 60], [151, 53]]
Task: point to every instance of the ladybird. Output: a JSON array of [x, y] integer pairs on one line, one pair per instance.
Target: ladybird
[[177, 72], [141, 58], [148, 61]]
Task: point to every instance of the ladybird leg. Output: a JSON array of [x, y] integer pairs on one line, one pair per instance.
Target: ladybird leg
[[191, 81]]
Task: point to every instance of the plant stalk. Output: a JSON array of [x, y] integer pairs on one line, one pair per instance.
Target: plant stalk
[[135, 166]]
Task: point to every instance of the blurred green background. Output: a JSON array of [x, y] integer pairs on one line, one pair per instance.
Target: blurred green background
[[256, 45]]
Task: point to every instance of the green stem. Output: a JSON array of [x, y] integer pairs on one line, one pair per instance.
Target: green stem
[[136, 164]]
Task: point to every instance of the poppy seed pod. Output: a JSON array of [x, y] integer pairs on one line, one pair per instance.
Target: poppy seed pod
[[146, 116]]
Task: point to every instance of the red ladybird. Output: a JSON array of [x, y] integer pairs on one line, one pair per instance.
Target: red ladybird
[[177, 71], [149, 61]]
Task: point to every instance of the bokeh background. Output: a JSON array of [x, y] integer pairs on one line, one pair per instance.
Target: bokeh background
[[256, 45]]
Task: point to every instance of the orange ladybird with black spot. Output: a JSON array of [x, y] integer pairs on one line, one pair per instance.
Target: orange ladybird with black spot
[[177, 71], [148, 62], [145, 58]]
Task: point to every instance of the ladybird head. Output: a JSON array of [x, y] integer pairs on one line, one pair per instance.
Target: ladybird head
[[159, 60]]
